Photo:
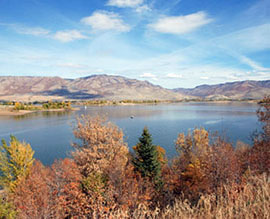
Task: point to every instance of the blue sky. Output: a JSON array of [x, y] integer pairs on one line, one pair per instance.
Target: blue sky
[[172, 43]]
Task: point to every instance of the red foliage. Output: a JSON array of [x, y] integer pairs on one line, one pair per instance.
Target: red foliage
[[259, 158], [34, 196], [70, 200]]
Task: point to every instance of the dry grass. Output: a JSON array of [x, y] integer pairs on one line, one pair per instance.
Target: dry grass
[[252, 200]]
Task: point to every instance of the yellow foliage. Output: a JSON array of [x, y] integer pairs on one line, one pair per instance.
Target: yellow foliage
[[16, 161], [193, 150], [192, 144], [161, 155], [17, 106], [102, 146]]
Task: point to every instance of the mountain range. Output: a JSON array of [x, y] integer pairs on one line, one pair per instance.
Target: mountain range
[[239, 90], [26, 88]]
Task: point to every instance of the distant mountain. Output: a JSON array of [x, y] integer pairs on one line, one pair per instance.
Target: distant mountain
[[233, 90], [95, 86], [112, 87]]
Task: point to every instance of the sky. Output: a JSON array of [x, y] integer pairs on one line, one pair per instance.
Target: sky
[[172, 43]]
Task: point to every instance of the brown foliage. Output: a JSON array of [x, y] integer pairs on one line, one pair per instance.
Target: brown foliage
[[102, 159], [102, 149], [134, 190], [247, 201], [223, 167], [206, 180], [263, 114], [191, 164], [51, 192], [69, 198], [202, 167], [34, 197], [242, 153], [260, 152]]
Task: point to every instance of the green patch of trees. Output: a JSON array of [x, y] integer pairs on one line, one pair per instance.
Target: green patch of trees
[[41, 106], [56, 105]]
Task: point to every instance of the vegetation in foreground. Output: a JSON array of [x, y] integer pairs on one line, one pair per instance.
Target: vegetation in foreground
[[207, 179]]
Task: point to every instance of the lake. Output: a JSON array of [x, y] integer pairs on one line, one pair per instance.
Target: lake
[[50, 133]]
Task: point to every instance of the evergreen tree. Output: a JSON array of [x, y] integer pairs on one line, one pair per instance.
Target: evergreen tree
[[146, 158]]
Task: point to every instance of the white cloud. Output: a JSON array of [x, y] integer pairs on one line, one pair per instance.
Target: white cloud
[[204, 78], [71, 65], [181, 24], [103, 20], [143, 9], [125, 3], [35, 31], [247, 40], [69, 35], [148, 75], [252, 63], [174, 76]]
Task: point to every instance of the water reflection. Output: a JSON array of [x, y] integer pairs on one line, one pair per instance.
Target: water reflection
[[119, 112], [42, 114]]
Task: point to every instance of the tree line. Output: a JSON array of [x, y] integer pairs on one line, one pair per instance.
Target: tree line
[[208, 178]]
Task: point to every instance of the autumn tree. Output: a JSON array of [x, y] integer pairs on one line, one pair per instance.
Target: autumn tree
[[223, 166], [203, 167], [16, 160], [260, 152], [101, 157], [35, 197], [146, 159], [69, 198], [192, 149], [189, 166], [263, 114], [7, 210]]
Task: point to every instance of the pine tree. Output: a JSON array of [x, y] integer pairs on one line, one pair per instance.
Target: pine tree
[[146, 158]]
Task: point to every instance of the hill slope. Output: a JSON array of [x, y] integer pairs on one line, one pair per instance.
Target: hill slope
[[232, 90], [118, 88], [95, 86]]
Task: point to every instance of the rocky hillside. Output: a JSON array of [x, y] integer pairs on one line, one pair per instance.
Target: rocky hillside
[[234, 90], [95, 86], [118, 88]]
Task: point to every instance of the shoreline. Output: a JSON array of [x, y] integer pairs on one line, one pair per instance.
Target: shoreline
[[112, 103], [7, 112]]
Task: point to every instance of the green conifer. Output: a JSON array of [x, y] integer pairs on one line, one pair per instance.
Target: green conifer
[[146, 158]]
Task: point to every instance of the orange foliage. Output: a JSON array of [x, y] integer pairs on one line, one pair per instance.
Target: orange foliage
[[102, 159], [34, 196], [134, 190], [202, 167], [102, 149], [100, 179], [260, 152], [70, 200]]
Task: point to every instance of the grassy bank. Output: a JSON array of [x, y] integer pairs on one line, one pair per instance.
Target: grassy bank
[[19, 108]]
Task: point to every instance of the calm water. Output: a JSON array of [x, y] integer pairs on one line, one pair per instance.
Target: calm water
[[50, 134]]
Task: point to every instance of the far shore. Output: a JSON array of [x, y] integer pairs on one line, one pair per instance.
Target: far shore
[[120, 103], [6, 111]]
